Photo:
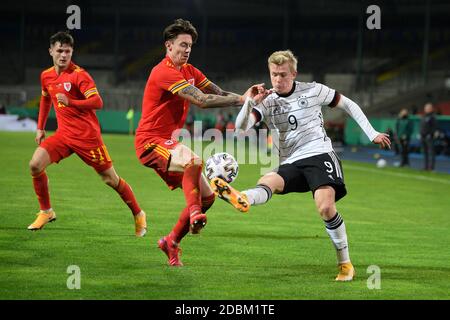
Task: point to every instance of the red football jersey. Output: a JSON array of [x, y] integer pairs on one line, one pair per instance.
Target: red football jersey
[[75, 83], [163, 111]]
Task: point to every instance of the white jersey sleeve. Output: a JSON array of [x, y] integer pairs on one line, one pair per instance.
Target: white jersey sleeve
[[261, 110], [324, 94], [358, 115]]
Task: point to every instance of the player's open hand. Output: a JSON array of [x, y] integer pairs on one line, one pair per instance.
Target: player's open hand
[[62, 98], [40, 136], [258, 92], [383, 140], [253, 91]]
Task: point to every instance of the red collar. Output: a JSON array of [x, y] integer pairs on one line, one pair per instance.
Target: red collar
[[170, 63]]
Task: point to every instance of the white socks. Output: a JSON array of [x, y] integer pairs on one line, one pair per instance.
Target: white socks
[[336, 230], [335, 227], [258, 195]]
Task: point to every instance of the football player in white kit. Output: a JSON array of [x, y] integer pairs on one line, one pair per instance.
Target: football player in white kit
[[307, 159]]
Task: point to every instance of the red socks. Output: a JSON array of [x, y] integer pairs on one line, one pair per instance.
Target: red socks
[[127, 195], [207, 202], [194, 202], [191, 187], [40, 184], [182, 226]]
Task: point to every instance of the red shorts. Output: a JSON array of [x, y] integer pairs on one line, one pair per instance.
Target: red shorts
[[155, 154], [93, 154]]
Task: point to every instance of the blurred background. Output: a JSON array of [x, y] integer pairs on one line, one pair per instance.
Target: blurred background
[[405, 64]]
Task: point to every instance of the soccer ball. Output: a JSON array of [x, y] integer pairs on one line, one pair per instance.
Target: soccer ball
[[222, 165], [381, 163]]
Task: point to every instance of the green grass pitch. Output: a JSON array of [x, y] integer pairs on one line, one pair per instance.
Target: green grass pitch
[[397, 219]]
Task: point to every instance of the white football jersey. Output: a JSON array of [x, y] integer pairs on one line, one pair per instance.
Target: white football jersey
[[297, 120]]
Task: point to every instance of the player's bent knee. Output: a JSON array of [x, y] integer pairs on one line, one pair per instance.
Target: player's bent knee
[[109, 180], [39, 161], [194, 161], [110, 177], [35, 166], [274, 181], [197, 161], [327, 210], [182, 158]]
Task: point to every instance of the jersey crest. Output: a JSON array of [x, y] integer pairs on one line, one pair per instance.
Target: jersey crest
[[67, 86], [303, 102], [276, 110], [298, 121]]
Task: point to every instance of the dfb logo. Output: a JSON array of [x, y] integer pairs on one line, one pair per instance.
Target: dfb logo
[[374, 21], [74, 20]]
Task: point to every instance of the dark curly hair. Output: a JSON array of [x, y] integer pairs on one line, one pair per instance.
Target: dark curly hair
[[62, 37], [180, 26]]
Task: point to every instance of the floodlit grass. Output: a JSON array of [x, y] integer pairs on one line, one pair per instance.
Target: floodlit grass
[[397, 219]]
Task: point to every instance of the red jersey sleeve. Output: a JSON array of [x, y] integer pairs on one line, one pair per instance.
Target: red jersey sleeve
[[171, 80], [44, 91], [44, 105], [201, 80], [86, 84]]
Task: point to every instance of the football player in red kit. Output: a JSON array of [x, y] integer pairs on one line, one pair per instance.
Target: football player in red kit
[[75, 98], [172, 85]]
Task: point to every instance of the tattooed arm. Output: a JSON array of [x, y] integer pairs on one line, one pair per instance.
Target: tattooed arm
[[215, 89], [210, 100]]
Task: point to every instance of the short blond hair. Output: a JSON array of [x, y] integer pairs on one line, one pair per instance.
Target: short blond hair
[[281, 57]]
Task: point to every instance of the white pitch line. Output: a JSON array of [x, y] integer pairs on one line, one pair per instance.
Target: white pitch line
[[397, 174]]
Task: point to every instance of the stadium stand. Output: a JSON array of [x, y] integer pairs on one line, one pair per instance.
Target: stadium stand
[[119, 43]]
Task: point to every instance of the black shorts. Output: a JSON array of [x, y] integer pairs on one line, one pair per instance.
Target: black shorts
[[310, 173]]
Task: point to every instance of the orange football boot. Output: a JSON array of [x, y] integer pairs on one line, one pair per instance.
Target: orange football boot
[[226, 192]]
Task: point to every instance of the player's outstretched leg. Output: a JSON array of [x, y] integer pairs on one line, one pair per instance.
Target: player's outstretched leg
[[226, 192]]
